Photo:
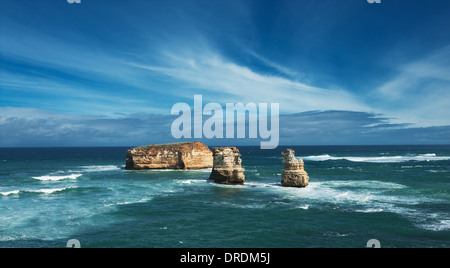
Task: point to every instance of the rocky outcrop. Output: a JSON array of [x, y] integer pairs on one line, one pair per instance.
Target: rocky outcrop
[[188, 155], [294, 174], [227, 167]]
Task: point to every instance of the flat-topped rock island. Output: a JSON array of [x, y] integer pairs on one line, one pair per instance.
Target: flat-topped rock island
[[184, 156]]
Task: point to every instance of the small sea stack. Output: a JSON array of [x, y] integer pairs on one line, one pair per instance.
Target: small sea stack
[[227, 167], [294, 174], [186, 155]]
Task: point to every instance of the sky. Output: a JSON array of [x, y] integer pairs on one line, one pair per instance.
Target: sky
[[107, 73]]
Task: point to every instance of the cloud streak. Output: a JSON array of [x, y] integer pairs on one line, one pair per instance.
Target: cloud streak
[[420, 93], [24, 127], [226, 81], [30, 127]]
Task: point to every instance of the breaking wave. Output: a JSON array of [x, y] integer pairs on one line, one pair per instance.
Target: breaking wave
[[58, 178], [439, 225], [99, 168], [10, 193], [203, 170], [379, 159], [38, 191], [49, 191]]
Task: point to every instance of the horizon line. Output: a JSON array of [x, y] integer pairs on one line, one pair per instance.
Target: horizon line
[[133, 146]]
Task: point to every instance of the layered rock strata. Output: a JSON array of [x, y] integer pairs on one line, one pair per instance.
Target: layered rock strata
[[294, 174], [187, 155], [227, 167]]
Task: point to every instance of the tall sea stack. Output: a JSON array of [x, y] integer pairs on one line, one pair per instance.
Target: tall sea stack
[[294, 174], [227, 167]]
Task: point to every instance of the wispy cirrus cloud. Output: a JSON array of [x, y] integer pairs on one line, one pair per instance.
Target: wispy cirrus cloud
[[224, 81], [420, 92]]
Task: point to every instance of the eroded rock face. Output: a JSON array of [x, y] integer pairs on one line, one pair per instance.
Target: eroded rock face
[[187, 155], [294, 174], [227, 167]]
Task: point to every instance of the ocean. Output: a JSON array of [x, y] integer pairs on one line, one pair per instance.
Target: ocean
[[399, 195]]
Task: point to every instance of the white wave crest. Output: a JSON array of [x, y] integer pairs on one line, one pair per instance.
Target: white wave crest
[[38, 191], [204, 170], [190, 181], [99, 168], [428, 155], [49, 191], [10, 193], [58, 178], [438, 225], [369, 210], [142, 200], [379, 159]]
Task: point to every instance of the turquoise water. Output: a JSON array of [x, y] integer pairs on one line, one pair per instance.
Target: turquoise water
[[399, 195]]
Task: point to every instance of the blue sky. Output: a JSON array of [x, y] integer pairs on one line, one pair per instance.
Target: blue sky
[[105, 73]]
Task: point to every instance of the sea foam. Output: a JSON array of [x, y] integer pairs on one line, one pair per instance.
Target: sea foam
[[38, 191], [439, 225], [379, 159], [58, 178], [99, 168], [10, 193], [203, 170], [49, 191]]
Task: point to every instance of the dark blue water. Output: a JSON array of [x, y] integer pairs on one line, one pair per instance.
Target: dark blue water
[[399, 195]]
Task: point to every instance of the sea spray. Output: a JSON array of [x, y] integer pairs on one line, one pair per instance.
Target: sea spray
[[58, 178], [378, 159]]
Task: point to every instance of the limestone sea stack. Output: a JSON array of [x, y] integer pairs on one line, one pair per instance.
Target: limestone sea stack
[[187, 155], [294, 174], [227, 167]]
